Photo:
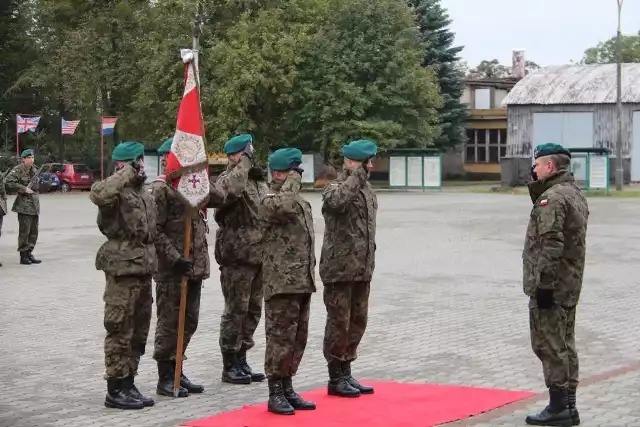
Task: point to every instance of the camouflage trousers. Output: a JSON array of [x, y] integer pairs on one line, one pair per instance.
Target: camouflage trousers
[[1, 221], [347, 307], [168, 312], [286, 318], [27, 232], [553, 340], [127, 316], [242, 291]]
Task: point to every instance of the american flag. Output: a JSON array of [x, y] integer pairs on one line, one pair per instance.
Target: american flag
[[27, 124], [69, 127]]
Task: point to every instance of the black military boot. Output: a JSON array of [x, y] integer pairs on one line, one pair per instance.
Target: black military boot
[[242, 361], [24, 258], [165, 380], [573, 409], [32, 258], [294, 399], [556, 413], [231, 371], [278, 403], [129, 387], [364, 389], [338, 385], [187, 384], [117, 398]]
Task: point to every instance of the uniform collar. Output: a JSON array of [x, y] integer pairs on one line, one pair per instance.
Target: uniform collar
[[536, 188]]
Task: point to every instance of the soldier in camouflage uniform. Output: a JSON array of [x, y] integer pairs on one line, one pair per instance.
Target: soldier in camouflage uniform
[[23, 180], [238, 252], [553, 265], [3, 201], [171, 211], [288, 274], [347, 261], [127, 218]]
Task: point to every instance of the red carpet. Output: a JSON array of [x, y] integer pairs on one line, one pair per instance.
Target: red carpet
[[392, 405]]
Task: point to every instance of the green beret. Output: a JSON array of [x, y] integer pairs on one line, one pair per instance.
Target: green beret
[[237, 143], [127, 151], [282, 159], [549, 149], [27, 153], [360, 150], [165, 147]]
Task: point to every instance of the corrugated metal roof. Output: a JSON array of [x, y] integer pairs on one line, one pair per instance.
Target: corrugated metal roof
[[576, 84]]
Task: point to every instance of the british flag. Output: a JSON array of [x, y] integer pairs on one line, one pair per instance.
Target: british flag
[[27, 124]]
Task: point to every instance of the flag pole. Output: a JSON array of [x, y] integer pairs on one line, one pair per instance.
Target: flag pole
[[187, 226], [17, 138], [61, 151], [101, 148]]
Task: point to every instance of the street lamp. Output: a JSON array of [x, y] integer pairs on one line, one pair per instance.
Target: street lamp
[[620, 168]]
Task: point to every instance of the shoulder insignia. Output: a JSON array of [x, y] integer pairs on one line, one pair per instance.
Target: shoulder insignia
[[544, 202]]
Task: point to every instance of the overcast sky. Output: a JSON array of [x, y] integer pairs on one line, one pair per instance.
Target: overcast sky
[[550, 31]]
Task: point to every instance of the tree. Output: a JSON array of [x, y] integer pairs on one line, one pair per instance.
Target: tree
[[489, 70], [606, 52], [441, 56]]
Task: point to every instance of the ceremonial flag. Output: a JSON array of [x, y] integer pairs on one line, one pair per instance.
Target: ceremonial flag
[[108, 123], [26, 124], [187, 150], [69, 127]]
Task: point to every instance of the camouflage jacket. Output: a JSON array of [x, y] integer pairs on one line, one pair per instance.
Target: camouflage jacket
[[127, 217], [171, 211], [555, 245], [349, 207], [289, 261], [17, 181], [240, 226], [3, 196]]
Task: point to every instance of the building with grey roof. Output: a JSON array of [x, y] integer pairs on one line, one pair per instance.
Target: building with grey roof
[[573, 105]]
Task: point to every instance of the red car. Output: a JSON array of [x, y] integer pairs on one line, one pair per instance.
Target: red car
[[73, 176]]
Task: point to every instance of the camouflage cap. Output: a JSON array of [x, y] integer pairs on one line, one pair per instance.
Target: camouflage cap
[[27, 153], [237, 143], [549, 149], [284, 159], [359, 150], [165, 147], [127, 151]]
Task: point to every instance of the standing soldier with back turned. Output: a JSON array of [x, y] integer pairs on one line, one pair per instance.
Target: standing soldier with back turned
[[172, 265], [239, 255], [23, 180], [553, 258], [127, 218], [289, 279], [349, 207]]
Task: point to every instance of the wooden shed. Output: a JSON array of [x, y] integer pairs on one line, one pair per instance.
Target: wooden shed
[[573, 105]]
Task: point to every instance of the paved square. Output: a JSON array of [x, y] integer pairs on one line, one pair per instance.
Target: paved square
[[446, 307]]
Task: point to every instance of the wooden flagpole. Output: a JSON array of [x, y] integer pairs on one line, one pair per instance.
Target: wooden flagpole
[[187, 228], [17, 138], [101, 148]]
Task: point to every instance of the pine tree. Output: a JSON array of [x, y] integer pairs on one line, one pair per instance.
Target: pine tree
[[440, 55]]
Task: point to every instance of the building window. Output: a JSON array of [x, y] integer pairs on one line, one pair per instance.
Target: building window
[[482, 99], [485, 145]]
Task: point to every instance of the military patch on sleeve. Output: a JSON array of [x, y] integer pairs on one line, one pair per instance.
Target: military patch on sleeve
[[544, 202]]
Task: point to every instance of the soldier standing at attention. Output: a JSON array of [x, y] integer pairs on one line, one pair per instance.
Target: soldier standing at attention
[[289, 279], [127, 218], [238, 252], [347, 261], [553, 258], [23, 180], [171, 211]]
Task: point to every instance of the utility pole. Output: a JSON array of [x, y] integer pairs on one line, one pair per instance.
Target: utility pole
[[620, 168]]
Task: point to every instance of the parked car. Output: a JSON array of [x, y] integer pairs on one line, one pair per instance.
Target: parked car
[[48, 182], [72, 176]]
